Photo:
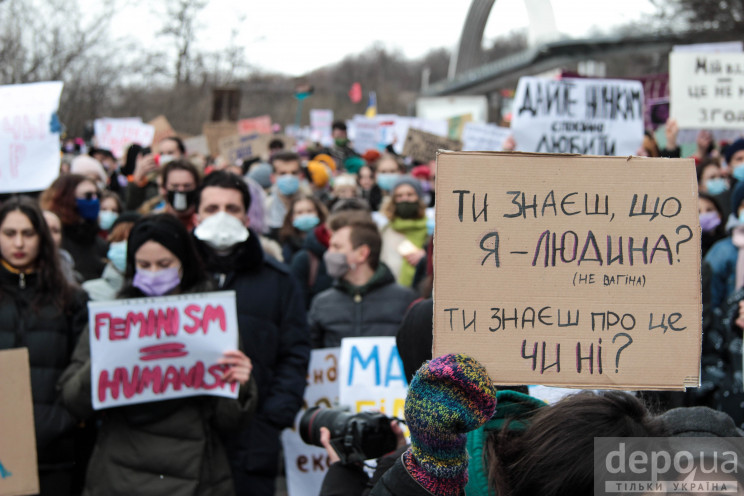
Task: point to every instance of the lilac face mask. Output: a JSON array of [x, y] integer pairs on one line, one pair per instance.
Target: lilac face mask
[[709, 221], [156, 283]]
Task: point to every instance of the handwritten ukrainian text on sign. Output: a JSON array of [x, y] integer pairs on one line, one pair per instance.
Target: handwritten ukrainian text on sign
[[151, 349], [569, 271], [306, 464], [707, 90], [29, 146], [586, 116]]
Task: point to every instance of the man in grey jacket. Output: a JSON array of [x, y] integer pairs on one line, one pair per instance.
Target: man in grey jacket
[[365, 300]]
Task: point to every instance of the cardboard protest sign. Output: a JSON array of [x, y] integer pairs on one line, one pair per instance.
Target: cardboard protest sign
[[483, 137], [706, 90], [215, 131], [240, 147], [423, 146], [117, 134], [572, 271], [372, 376], [306, 464], [18, 470], [255, 125], [586, 116], [153, 349], [321, 121], [162, 129], [29, 149]]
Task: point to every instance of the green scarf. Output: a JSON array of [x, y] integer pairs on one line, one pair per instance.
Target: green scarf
[[415, 231]]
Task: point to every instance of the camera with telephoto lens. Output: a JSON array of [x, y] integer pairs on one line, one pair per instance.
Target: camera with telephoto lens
[[355, 436]]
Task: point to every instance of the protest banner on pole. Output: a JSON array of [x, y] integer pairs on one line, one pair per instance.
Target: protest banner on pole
[[255, 125], [321, 121], [372, 376], [423, 146], [116, 135], [18, 470], [585, 116], [706, 90], [484, 137], [153, 349], [572, 271], [307, 465], [29, 146]]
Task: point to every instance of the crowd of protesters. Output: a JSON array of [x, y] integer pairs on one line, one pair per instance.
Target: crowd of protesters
[[318, 245]]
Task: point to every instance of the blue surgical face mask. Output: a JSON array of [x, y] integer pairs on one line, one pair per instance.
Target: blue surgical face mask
[[88, 209], [288, 184], [716, 186], [106, 219], [387, 180], [741, 217], [158, 282], [738, 173], [117, 255], [305, 222]]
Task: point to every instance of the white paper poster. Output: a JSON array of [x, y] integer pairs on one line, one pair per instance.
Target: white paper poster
[[584, 116], [117, 134], [29, 150], [483, 137], [153, 349], [321, 121], [706, 91]]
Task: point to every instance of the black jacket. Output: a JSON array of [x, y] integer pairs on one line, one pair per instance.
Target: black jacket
[[88, 250], [50, 334], [302, 264], [273, 328], [375, 309]]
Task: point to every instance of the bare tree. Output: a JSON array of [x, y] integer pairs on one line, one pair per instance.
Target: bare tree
[[181, 25]]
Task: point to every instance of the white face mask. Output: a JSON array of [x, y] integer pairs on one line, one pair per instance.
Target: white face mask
[[221, 231]]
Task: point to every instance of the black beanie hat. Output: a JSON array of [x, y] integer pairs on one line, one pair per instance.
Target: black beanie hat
[[734, 147], [164, 229]]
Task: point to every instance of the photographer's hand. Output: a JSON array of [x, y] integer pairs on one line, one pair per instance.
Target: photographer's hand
[[325, 440]]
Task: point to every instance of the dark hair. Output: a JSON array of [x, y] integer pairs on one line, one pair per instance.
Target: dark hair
[[350, 204], [363, 232], [227, 180], [340, 125], [179, 143], [286, 157], [276, 144], [288, 229], [180, 164], [110, 194], [705, 163], [157, 228], [555, 452], [51, 284], [60, 198], [131, 159]]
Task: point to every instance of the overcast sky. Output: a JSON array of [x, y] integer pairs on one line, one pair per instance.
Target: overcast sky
[[296, 36]]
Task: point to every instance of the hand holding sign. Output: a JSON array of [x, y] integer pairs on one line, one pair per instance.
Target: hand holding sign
[[240, 366]]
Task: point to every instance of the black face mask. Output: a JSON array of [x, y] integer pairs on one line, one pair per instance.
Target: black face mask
[[181, 200], [407, 210]]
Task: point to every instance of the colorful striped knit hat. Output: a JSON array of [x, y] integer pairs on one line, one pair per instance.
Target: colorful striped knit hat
[[448, 397]]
